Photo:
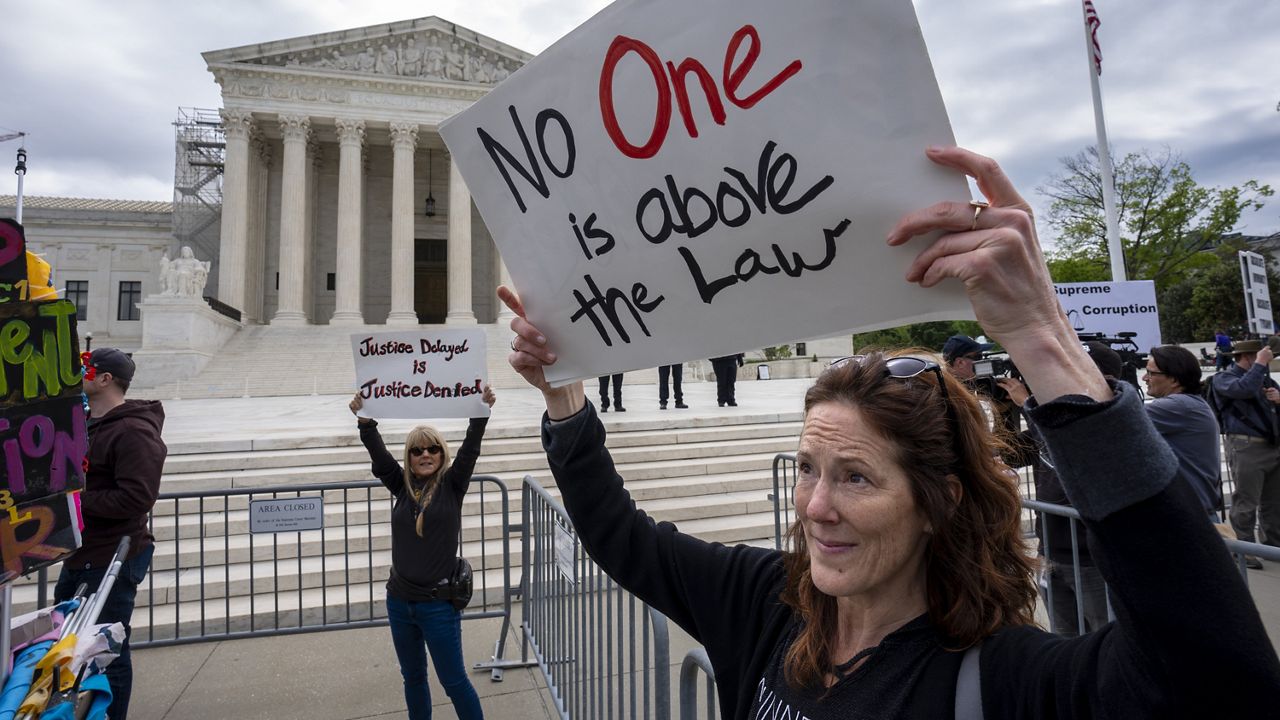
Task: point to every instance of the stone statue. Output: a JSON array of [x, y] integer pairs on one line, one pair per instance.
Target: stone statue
[[386, 62], [168, 286], [475, 69], [434, 66], [410, 59], [501, 73], [365, 61], [184, 277], [457, 63], [335, 61]]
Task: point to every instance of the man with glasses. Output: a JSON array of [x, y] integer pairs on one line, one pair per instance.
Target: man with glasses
[[1184, 420]]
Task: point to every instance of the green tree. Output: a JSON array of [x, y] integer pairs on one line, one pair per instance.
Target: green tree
[[1166, 218], [1210, 297], [929, 335]]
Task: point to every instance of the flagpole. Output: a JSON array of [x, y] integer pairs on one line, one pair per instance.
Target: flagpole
[[1093, 54]]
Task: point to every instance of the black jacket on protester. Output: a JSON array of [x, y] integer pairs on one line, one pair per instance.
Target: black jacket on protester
[[1187, 641], [126, 459], [419, 563]]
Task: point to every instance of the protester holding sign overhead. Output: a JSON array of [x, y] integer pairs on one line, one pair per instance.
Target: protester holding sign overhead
[[426, 519], [909, 591]]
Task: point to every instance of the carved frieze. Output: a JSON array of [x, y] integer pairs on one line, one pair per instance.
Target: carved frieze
[[429, 54]]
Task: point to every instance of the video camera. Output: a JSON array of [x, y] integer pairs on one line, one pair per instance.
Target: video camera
[[994, 366], [1127, 348], [988, 370]]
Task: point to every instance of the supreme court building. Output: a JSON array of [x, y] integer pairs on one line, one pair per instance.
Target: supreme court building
[[340, 204]]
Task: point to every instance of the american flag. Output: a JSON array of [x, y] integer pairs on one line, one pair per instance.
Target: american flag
[[1092, 23]]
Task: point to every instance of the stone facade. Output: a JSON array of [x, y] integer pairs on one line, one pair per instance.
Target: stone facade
[[332, 150], [105, 244]]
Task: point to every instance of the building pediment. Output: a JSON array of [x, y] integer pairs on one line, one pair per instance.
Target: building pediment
[[423, 49]]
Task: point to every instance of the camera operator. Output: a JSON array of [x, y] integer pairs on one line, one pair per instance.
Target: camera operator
[[961, 352], [1059, 582], [962, 355]]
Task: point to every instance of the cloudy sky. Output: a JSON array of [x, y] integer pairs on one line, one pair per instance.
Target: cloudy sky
[[97, 85]]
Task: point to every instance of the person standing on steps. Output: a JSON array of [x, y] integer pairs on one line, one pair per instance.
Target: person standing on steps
[[726, 370], [617, 393], [675, 373]]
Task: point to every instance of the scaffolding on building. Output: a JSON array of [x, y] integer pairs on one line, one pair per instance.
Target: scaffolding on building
[[197, 182]]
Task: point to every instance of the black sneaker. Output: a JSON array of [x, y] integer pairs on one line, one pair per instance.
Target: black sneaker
[[663, 406], [681, 406], [619, 408]]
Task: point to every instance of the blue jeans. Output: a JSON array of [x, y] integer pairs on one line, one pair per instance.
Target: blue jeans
[[437, 624], [118, 608]]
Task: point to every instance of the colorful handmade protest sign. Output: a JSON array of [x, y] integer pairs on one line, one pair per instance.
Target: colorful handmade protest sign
[[677, 180], [43, 438], [429, 374]]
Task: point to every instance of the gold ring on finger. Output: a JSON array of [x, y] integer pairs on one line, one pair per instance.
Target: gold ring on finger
[[978, 206]]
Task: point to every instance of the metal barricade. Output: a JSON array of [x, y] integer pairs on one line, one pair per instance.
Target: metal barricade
[[211, 578], [694, 661], [602, 652]]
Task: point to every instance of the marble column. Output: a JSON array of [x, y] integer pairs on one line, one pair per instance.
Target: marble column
[[256, 257], [293, 208], [232, 246], [404, 138], [350, 222], [505, 315], [460, 312]]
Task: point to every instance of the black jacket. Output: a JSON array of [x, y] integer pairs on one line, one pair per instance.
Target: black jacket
[[1187, 642], [126, 459], [418, 563]]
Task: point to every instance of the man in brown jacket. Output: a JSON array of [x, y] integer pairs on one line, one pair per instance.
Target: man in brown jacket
[[126, 457]]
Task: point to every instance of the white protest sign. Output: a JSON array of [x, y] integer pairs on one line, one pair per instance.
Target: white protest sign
[[677, 180], [1113, 307], [422, 374]]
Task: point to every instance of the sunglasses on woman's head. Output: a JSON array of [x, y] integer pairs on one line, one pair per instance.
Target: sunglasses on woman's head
[[433, 449], [905, 367]]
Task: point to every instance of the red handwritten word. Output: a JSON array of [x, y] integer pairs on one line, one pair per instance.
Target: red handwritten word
[[732, 80]]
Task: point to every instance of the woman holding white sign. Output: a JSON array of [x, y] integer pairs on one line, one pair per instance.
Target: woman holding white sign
[[426, 519], [909, 591]]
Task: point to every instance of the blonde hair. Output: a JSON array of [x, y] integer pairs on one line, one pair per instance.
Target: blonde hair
[[423, 490]]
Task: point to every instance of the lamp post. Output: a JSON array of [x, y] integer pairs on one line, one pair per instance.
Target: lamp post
[[429, 207], [88, 342]]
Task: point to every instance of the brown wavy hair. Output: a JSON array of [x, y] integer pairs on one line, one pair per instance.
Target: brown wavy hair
[[423, 490], [977, 568]]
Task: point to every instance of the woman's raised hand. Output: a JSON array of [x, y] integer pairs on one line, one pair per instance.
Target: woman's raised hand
[[530, 353], [356, 403], [994, 251]]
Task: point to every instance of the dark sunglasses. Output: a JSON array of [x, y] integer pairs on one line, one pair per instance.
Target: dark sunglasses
[[905, 367], [433, 449]]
